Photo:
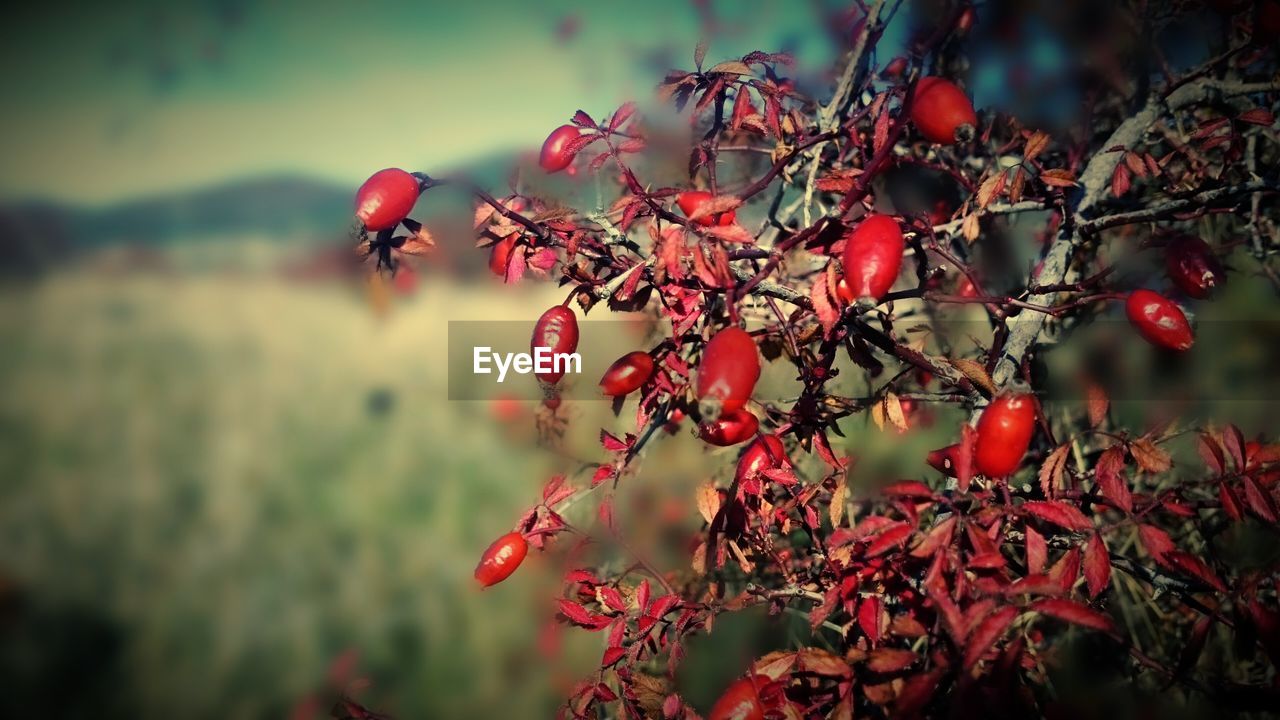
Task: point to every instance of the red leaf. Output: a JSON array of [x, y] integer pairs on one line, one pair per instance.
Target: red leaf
[[986, 561], [870, 613], [1120, 180], [1067, 569], [1211, 453], [582, 119], [1230, 501], [612, 598], [663, 605], [602, 473], [1109, 473], [1259, 501], [575, 613], [1156, 541], [1233, 443], [1073, 612], [1060, 513], [938, 537], [611, 656], [990, 630], [1097, 565], [1196, 568], [621, 115], [824, 306], [611, 443], [890, 660], [916, 692], [1257, 116], [1037, 551], [889, 539], [908, 488]]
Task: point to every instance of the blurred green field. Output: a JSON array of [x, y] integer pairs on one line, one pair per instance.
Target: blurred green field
[[211, 487]]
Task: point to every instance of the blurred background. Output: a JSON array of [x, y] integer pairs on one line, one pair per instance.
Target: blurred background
[[228, 463]]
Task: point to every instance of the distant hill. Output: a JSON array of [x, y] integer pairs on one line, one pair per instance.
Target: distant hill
[[296, 209], [299, 209]]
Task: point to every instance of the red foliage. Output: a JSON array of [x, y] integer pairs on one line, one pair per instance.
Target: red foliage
[[933, 597]]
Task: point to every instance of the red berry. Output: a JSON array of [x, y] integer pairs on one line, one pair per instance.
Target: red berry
[[730, 428], [942, 112], [501, 559], [627, 374], [692, 200], [872, 258], [557, 152], [766, 453], [556, 329], [500, 254], [1159, 320], [1193, 267], [740, 701], [386, 198], [1004, 433], [728, 372]]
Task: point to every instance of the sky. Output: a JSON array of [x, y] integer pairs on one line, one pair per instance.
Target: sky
[[115, 101]]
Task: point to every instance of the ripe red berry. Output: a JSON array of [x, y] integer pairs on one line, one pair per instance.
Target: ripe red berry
[[386, 198], [766, 453], [501, 559], [1193, 267], [942, 112], [556, 329], [740, 701], [728, 372], [1159, 320], [500, 254], [692, 200], [557, 152], [627, 374], [730, 428], [1004, 433], [872, 258]]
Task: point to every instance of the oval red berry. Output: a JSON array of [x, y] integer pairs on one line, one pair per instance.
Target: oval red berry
[[942, 112], [501, 559], [386, 198], [690, 202], [730, 428], [558, 151], [627, 374], [872, 258], [557, 330], [1159, 320], [728, 371], [1004, 433]]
